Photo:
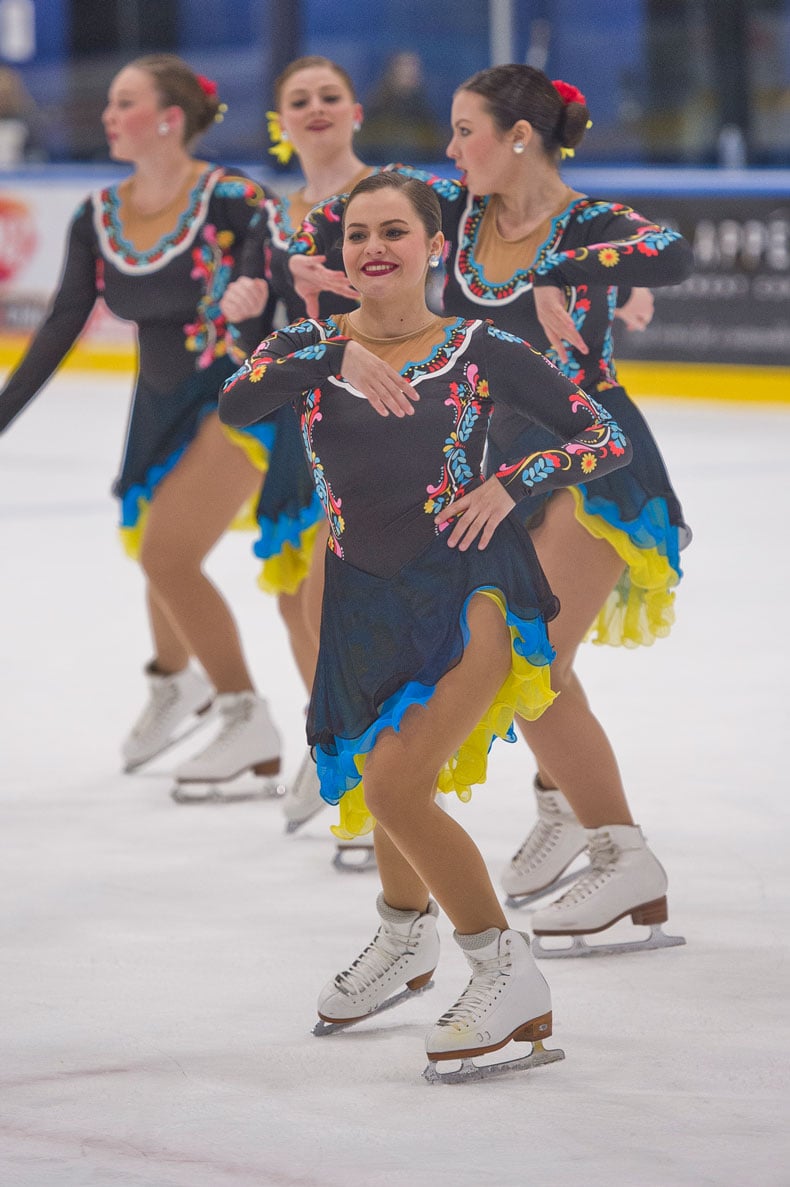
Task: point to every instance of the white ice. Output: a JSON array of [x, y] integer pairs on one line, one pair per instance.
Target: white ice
[[160, 963]]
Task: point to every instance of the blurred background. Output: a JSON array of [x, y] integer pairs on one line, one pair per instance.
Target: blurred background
[[669, 81], [690, 101]]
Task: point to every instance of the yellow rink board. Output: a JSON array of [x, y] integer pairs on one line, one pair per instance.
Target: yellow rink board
[[696, 381], [706, 381]]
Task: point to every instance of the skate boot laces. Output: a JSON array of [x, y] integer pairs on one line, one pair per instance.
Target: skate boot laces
[[235, 719], [540, 842], [488, 982], [163, 699], [373, 963], [604, 855]]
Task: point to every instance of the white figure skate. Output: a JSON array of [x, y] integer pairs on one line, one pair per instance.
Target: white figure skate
[[241, 760], [396, 965], [302, 799], [178, 705], [507, 1000], [624, 878], [554, 843]]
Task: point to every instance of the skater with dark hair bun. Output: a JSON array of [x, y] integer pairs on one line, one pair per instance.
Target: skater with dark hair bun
[[549, 264], [160, 247], [435, 608]]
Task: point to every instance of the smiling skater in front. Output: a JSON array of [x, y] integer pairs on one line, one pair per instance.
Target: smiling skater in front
[[435, 607]]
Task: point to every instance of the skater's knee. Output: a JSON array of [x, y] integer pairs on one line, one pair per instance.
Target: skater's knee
[[394, 794], [166, 562]]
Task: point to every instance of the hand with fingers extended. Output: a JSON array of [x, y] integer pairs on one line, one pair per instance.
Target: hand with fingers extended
[[479, 514], [383, 387], [637, 312], [310, 279], [557, 322], [244, 298]]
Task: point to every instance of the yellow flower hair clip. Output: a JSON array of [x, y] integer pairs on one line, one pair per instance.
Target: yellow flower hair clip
[[282, 148], [570, 152]]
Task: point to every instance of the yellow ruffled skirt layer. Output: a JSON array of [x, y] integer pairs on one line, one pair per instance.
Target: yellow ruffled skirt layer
[[640, 609], [244, 521], [285, 572]]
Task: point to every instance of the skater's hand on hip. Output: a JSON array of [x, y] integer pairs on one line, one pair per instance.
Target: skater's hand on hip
[[637, 313], [383, 387], [557, 323], [479, 515], [310, 279]]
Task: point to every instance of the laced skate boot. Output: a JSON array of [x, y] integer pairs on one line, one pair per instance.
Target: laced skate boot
[[302, 800], [624, 878], [247, 741], [176, 705], [507, 999], [556, 840], [403, 952]]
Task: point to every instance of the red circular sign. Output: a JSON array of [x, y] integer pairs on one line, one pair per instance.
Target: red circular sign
[[17, 236]]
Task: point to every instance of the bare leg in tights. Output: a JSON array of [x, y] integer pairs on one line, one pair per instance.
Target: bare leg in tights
[[569, 743], [420, 849], [301, 612], [191, 510]]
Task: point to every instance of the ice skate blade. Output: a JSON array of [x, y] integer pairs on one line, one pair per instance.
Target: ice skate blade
[[322, 1028], [292, 826], [204, 716], [346, 865], [523, 900], [219, 793], [469, 1070], [579, 946]]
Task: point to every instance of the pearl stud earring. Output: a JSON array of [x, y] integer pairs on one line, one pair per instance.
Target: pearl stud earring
[[518, 147]]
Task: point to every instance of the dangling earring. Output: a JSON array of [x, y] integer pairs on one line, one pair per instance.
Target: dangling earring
[[163, 128], [433, 261], [284, 137], [357, 125], [518, 147]]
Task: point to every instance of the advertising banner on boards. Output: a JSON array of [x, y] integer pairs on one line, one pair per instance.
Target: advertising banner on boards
[[735, 307]]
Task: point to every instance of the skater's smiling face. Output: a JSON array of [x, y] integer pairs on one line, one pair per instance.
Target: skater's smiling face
[[386, 243], [318, 111]]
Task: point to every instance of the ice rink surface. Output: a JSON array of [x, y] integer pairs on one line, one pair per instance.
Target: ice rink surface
[[159, 964]]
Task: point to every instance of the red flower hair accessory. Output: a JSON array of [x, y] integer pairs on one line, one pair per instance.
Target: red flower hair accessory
[[568, 92], [207, 86]]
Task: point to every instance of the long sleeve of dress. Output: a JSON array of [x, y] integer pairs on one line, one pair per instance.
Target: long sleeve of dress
[[509, 372], [68, 314], [618, 247], [284, 365], [529, 385]]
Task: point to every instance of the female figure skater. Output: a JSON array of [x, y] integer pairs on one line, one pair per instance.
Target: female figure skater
[[431, 635], [316, 116], [545, 262], [160, 248]]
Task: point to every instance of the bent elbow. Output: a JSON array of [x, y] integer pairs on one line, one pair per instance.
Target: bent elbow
[[680, 261], [230, 410]]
